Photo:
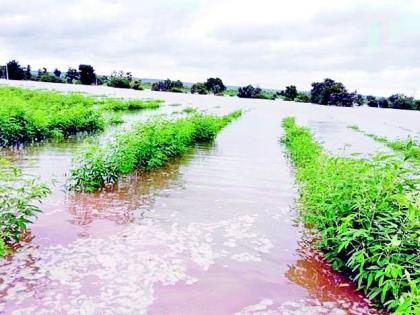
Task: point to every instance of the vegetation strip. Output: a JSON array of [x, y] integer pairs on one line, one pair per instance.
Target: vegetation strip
[[409, 148], [18, 196], [149, 145], [367, 214], [33, 115]]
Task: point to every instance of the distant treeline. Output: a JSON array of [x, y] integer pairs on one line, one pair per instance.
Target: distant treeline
[[327, 92]]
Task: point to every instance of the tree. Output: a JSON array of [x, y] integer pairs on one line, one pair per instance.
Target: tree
[[199, 88], [372, 101], [401, 101], [57, 73], [321, 91], [168, 86], [359, 100], [383, 103], [15, 71], [250, 92], [28, 74], [87, 74], [290, 93], [342, 99], [215, 85], [71, 75]]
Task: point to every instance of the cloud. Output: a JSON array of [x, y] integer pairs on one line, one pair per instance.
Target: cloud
[[370, 46]]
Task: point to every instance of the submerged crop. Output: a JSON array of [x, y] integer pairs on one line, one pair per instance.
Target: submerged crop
[[149, 145], [367, 213], [19, 194], [33, 115]]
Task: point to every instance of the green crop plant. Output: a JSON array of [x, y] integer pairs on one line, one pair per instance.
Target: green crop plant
[[148, 145], [19, 194], [34, 115], [409, 147], [366, 211]]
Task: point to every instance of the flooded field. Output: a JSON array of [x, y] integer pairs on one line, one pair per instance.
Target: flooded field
[[213, 232]]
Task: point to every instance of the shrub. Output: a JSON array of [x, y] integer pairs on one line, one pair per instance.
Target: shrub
[[149, 145], [168, 86], [137, 85], [19, 194], [119, 82], [366, 211], [250, 92], [46, 77], [199, 88], [400, 101], [302, 98]]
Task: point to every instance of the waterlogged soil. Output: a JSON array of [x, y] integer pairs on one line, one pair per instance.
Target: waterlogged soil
[[213, 232]]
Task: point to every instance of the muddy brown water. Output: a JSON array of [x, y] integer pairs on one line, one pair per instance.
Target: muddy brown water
[[213, 232]]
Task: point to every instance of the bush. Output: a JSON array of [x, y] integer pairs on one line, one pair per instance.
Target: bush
[[302, 98], [400, 101], [119, 82], [149, 145], [199, 88], [168, 86], [19, 194], [250, 92], [46, 77], [137, 85], [130, 104], [366, 211]]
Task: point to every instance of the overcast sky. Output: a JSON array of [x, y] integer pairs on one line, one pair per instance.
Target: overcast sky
[[371, 45]]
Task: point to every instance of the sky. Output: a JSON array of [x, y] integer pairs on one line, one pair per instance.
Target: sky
[[371, 46]]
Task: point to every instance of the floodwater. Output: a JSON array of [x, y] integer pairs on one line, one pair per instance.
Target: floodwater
[[213, 232]]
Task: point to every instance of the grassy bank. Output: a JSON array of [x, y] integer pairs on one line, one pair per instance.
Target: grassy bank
[[149, 145], [367, 214], [19, 194], [34, 115]]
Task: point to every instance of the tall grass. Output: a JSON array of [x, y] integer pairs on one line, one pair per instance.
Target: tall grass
[[18, 196], [34, 115], [149, 145], [367, 214]]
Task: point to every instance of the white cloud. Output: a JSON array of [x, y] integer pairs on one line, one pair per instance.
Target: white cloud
[[370, 46]]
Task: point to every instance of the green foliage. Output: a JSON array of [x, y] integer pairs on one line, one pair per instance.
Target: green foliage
[[15, 70], [290, 93], [46, 77], [114, 104], [31, 115], [168, 86], [215, 85], [367, 213], [199, 88], [137, 85], [87, 74], [149, 145], [255, 92], [34, 115], [302, 98], [18, 195]]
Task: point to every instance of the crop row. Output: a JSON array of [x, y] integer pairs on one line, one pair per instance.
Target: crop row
[[367, 214], [148, 145], [35, 115]]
